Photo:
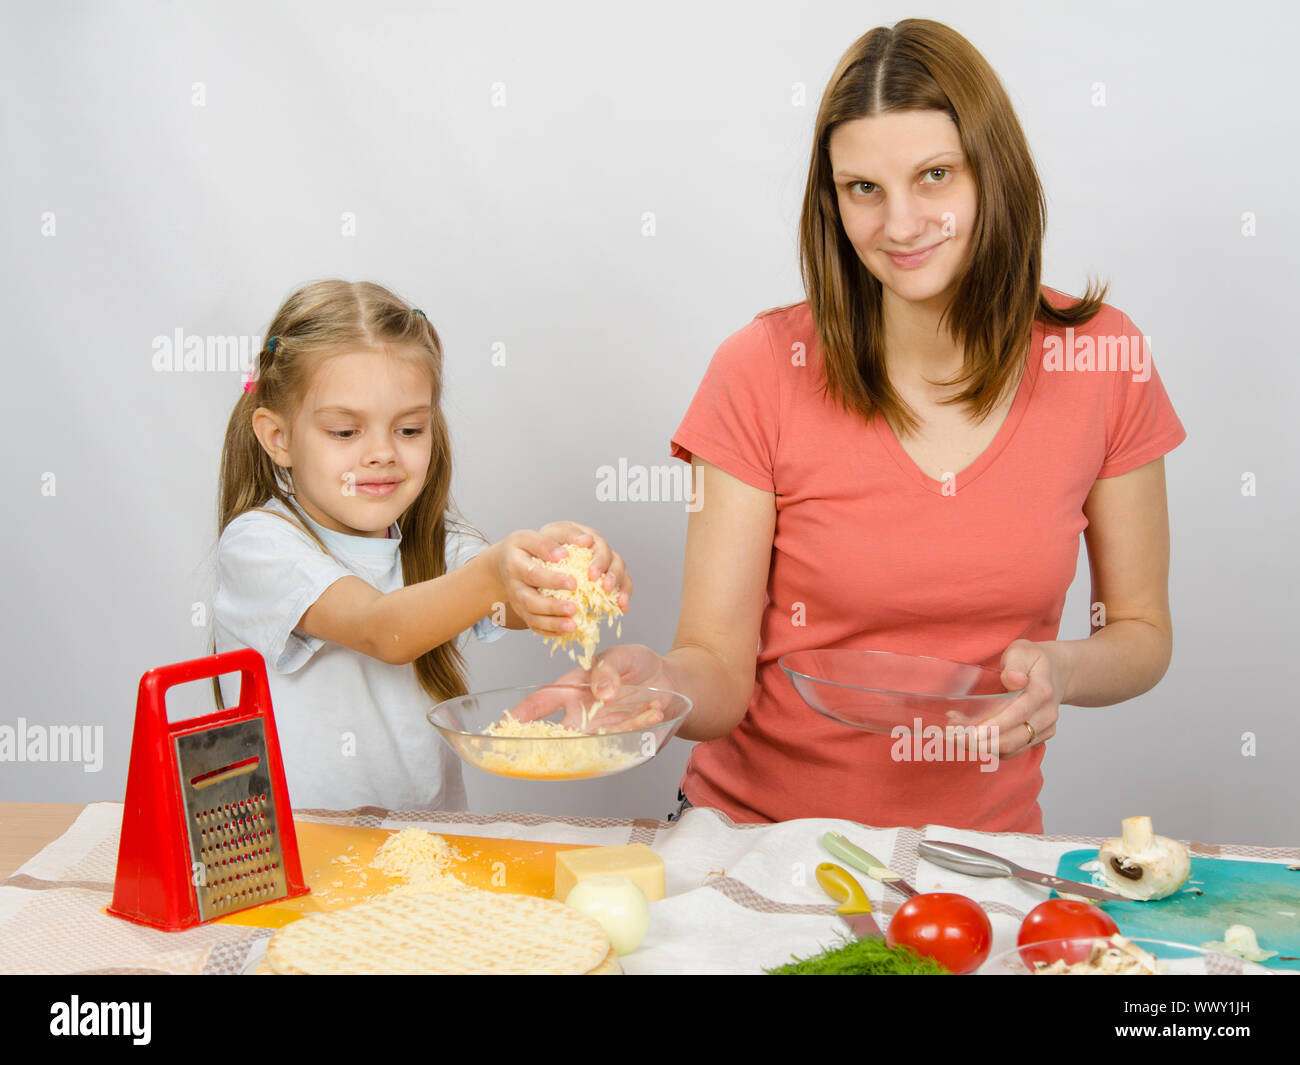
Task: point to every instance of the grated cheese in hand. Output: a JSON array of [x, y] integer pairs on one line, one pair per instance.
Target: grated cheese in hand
[[594, 603]]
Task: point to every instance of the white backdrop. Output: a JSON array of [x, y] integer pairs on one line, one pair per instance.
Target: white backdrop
[[184, 166]]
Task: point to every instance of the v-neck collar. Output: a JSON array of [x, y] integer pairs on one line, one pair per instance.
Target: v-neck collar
[[989, 455]]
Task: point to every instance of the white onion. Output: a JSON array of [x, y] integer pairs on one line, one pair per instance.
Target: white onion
[[618, 905]]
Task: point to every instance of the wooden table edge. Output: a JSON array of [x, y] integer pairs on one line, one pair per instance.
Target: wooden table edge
[[27, 828]]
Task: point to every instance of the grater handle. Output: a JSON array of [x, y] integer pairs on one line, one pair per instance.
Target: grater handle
[[254, 693]]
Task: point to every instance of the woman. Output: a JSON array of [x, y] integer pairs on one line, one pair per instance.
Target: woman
[[905, 462]]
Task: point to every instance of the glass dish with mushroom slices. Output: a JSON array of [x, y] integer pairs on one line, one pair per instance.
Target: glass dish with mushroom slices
[[1116, 956]]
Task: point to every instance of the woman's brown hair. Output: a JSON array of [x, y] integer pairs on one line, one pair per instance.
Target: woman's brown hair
[[923, 65], [326, 318]]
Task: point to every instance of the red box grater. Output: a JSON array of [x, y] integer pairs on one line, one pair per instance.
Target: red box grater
[[207, 828]]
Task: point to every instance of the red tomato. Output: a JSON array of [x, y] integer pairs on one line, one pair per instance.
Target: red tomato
[[951, 929], [1062, 919]]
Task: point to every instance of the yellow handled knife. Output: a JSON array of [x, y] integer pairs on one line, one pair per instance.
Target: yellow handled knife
[[854, 906]]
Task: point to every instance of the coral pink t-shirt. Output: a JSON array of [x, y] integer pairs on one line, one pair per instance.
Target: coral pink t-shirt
[[884, 557]]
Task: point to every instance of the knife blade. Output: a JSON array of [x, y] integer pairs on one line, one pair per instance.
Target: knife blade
[[974, 862], [855, 907]]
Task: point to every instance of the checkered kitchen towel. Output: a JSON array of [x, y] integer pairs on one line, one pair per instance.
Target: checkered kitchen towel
[[741, 898]]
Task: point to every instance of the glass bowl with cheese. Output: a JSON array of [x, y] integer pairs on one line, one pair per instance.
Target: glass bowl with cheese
[[880, 691], [559, 731]]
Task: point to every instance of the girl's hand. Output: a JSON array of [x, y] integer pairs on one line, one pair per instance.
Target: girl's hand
[[604, 561], [1039, 703], [624, 665], [522, 576]]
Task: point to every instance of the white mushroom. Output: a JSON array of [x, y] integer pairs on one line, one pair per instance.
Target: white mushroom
[[1142, 865]]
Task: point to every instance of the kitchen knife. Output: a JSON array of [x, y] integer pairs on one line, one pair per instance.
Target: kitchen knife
[[854, 907], [858, 858], [973, 862]]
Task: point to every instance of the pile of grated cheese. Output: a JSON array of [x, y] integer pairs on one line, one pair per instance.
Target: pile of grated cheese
[[422, 859], [580, 755], [508, 726], [594, 603]]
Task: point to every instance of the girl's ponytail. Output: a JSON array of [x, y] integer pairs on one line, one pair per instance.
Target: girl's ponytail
[[426, 528]]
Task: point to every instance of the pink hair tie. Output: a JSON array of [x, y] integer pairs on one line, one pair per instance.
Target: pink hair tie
[[249, 384]]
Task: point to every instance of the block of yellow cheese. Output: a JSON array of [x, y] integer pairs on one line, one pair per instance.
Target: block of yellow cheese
[[635, 861]]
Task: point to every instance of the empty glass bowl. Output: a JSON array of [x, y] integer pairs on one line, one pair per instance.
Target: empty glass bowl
[[880, 690]]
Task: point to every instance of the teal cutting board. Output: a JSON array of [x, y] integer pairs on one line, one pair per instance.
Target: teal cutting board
[[1257, 894]]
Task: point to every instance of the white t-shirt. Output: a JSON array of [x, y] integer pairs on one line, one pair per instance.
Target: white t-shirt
[[352, 728]]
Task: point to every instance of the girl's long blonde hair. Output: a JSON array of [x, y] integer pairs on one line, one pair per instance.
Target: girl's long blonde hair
[[921, 65], [327, 318]]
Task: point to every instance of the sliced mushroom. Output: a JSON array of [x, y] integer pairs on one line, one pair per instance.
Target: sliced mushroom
[[1141, 865], [1240, 940]]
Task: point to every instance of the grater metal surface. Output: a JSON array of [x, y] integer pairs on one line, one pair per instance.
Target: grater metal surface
[[229, 807]]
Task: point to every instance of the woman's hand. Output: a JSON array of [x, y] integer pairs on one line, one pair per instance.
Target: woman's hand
[[625, 665], [518, 563], [1040, 669]]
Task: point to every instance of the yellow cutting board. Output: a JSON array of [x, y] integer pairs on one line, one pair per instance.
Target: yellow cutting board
[[512, 866]]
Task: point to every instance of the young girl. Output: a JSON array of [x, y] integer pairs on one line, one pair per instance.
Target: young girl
[[341, 560]]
